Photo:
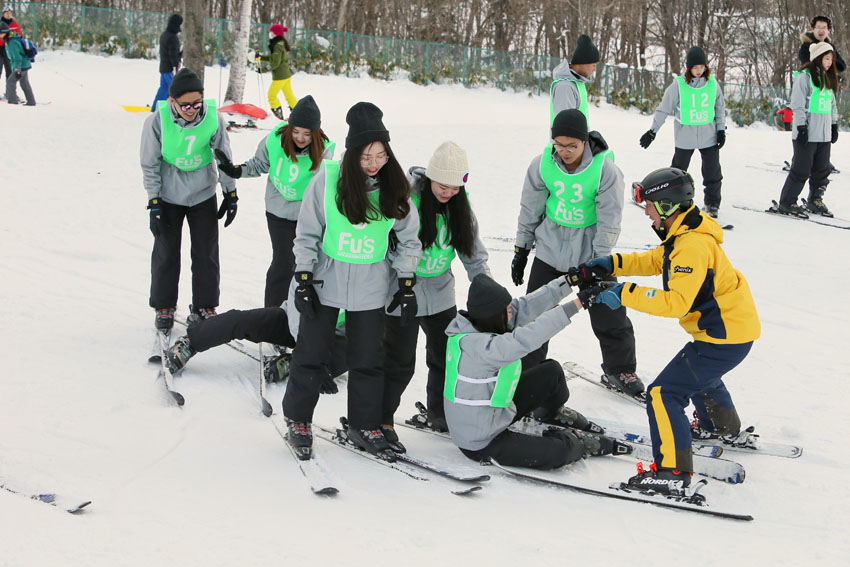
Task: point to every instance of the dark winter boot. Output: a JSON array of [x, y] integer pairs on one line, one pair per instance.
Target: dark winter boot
[[164, 320], [392, 439], [660, 480], [300, 437], [437, 422], [197, 314], [568, 417], [626, 382], [711, 209], [793, 210], [815, 203], [372, 441], [178, 355], [276, 369], [278, 112]]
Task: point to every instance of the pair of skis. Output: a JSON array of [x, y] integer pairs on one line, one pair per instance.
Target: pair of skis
[[70, 506]]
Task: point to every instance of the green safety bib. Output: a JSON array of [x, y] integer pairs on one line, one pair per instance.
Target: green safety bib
[[188, 149], [506, 380], [696, 106], [437, 258], [821, 100], [290, 178], [572, 197], [582, 94], [364, 243]]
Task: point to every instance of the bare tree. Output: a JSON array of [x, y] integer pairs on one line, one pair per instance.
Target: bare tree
[[238, 59], [193, 36]]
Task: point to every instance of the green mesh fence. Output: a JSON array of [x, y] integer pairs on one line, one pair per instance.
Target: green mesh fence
[[135, 34]]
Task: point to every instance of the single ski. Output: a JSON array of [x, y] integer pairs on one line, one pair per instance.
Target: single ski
[[311, 468], [266, 407], [50, 498], [620, 493], [164, 372], [575, 370], [825, 221], [156, 353], [235, 344]]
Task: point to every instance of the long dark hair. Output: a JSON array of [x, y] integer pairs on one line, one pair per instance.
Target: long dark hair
[[277, 39], [351, 199], [317, 146], [821, 77], [689, 75], [459, 221]]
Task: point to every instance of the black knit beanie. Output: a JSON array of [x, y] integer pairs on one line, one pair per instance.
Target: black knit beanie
[[570, 123], [185, 81], [585, 51], [306, 114], [695, 56], [365, 126], [486, 298]]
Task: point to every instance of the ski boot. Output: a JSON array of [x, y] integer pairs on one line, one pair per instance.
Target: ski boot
[[593, 444], [793, 210], [370, 440], [626, 382], [178, 355], [197, 314], [711, 210], [428, 419], [568, 417], [300, 437], [276, 369], [392, 439], [815, 204], [164, 320], [667, 482], [278, 112]]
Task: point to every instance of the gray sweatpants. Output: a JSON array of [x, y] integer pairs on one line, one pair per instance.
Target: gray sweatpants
[[11, 90]]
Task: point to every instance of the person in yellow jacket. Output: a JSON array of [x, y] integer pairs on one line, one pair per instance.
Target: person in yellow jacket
[[713, 303]]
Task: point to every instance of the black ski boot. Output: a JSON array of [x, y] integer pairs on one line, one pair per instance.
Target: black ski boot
[[372, 441], [668, 482], [197, 314], [626, 382], [278, 112], [300, 437], [428, 419], [164, 320], [178, 355], [568, 417], [793, 210], [815, 204], [392, 439], [276, 369], [711, 209]]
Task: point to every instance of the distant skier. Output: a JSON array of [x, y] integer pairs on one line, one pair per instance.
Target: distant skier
[[786, 115], [713, 303], [696, 103], [180, 176], [570, 79], [20, 65], [278, 59], [169, 57], [7, 17]]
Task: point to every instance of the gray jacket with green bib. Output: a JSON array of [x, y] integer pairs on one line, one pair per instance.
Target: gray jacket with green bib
[[684, 136]]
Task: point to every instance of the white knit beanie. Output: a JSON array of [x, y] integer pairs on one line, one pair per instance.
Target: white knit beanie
[[818, 49], [448, 165]]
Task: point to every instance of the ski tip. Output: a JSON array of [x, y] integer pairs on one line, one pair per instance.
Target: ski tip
[[267, 408], [178, 397], [326, 491], [465, 491], [79, 507]]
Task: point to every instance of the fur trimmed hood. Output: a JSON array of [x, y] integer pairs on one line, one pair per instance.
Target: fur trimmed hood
[[809, 37]]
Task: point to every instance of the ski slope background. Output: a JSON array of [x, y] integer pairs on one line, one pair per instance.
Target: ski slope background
[[81, 413]]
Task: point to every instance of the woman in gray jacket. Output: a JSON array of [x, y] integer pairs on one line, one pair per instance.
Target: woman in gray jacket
[[697, 105], [352, 213]]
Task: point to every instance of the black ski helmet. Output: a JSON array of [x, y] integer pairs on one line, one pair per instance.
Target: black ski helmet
[[668, 184]]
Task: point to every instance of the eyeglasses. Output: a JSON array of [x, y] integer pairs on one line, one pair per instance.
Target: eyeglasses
[[379, 159], [185, 107], [559, 148]]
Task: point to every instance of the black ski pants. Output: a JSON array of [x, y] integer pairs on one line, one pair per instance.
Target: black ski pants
[[712, 177], [279, 274], [400, 359], [266, 324], [7, 63], [810, 161], [613, 329], [543, 386], [165, 259], [364, 355]]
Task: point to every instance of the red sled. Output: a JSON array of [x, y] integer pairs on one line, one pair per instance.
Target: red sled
[[245, 109]]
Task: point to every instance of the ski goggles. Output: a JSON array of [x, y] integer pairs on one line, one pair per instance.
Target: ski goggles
[[193, 105], [637, 192]]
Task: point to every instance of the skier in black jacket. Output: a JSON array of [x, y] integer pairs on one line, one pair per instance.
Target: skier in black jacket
[[169, 57]]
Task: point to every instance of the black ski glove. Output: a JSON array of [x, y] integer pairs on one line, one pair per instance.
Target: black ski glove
[[157, 222], [224, 164], [306, 298], [588, 295], [647, 138], [721, 138], [834, 133], [518, 264], [802, 134], [591, 272], [405, 298], [228, 205]]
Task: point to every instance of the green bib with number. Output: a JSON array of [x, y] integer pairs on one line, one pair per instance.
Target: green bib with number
[[289, 177], [506, 380], [572, 197], [696, 106], [437, 258], [821, 100], [364, 243], [582, 94], [187, 149]]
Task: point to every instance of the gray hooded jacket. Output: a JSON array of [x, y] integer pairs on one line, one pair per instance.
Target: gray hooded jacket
[[690, 137], [819, 125], [535, 318], [258, 165], [565, 94], [173, 185], [355, 287], [436, 294], [560, 246]]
